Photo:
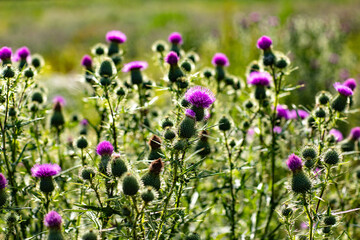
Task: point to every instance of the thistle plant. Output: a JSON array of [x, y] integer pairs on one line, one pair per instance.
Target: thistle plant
[[176, 149]]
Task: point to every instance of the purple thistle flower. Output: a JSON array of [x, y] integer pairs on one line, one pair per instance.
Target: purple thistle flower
[[22, 53], [115, 36], [86, 61], [343, 90], [172, 58], [59, 100], [3, 181], [259, 78], [264, 42], [200, 97], [350, 83], [5, 53], [277, 129], [355, 133], [175, 38], [134, 65], [220, 59], [294, 162], [104, 148], [45, 170], [53, 220], [298, 114], [282, 112], [337, 134], [84, 122], [190, 113]]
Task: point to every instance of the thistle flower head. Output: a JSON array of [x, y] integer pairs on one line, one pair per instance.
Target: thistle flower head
[[299, 113], [5, 53], [53, 220], [337, 134], [104, 148], [343, 90], [190, 113], [156, 166], [22, 53], [282, 111], [200, 97], [84, 122], [264, 42], [175, 38], [294, 162], [259, 78], [277, 129], [172, 58], [350, 83], [86, 61], [3, 181], [355, 133], [45, 170], [220, 59], [59, 100], [116, 36], [134, 65]]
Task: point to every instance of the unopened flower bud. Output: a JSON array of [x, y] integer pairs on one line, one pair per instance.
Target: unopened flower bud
[[118, 167], [331, 157], [89, 236], [148, 195], [224, 124], [309, 153], [87, 173], [82, 142], [130, 185]]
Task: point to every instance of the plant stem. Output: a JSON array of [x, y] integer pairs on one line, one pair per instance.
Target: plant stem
[[113, 125], [309, 218], [233, 233]]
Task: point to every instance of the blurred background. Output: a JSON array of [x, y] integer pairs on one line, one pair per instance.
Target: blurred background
[[321, 37]]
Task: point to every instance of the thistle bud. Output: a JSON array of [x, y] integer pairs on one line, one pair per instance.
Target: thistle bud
[[348, 145], [8, 72], [3, 197], [309, 153], [287, 212], [47, 184], [29, 73], [309, 163], [281, 63], [155, 142], [148, 195], [87, 173], [224, 124], [326, 230], [89, 236], [323, 98], [330, 220], [180, 145], [187, 127], [207, 73], [300, 182], [203, 147], [152, 177], [82, 142], [166, 123], [320, 112], [130, 185], [249, 104], [37, 97], [169, 134], [185, 103], [118, 167], [106, 69], [193, 236], [331, 157], [186, 66]]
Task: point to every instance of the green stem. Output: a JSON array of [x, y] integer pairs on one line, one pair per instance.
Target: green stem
[[309, 218], [113, 125]]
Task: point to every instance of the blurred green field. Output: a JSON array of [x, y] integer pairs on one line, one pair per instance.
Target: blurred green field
[[321, 36]]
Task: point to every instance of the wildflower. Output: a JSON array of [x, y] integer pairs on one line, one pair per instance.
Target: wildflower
[[350, 83], [337, 134], [298, 114], [22, 53], [300, 182], [53, 221], [59, 100], [175, 72], [115, 38], [3, 195], [282, 112], [261, 80], [264, 42], [5, 55], [104, 148], [220, 59], [277, 129], [339, 103], [190, 113], [86, 61], [355, 134], [175, 39], [135, 68], [45, 173], [200, 97]]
